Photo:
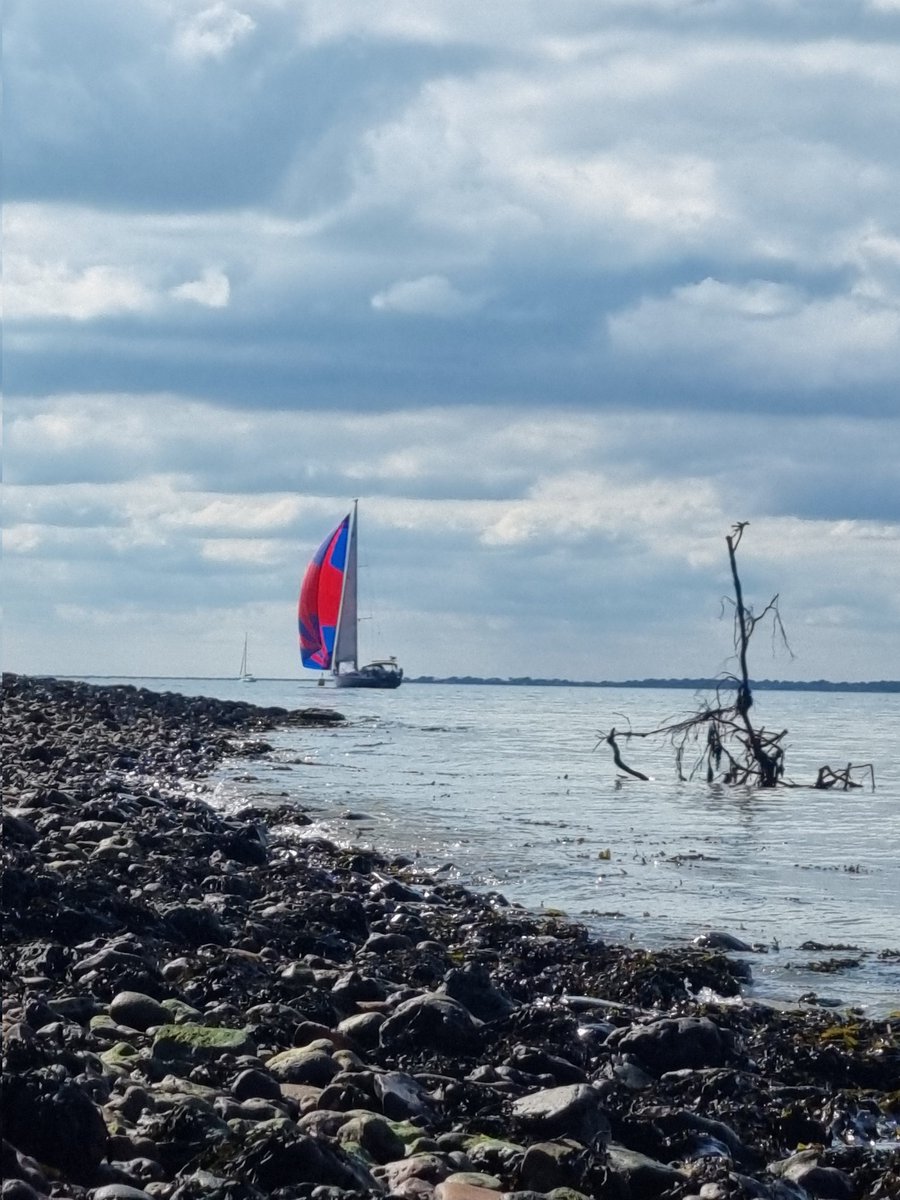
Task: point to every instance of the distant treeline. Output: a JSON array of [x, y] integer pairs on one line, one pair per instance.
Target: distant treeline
[[775, 685]]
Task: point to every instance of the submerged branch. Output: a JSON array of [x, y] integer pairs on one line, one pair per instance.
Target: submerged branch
[[610, 740]]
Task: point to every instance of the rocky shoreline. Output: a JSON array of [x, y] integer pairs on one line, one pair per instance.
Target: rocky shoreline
[[196, 1007]]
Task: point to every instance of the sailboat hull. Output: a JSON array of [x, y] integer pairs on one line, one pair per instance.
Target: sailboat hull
[[375, 675]]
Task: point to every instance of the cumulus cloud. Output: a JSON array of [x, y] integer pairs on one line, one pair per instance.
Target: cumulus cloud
[[55, 289], [428, 296], [242, 552], [211, 290], [212, 32], [769, 333], [572, 507]]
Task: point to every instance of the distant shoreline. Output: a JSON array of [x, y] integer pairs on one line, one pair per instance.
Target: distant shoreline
[[773, 685]]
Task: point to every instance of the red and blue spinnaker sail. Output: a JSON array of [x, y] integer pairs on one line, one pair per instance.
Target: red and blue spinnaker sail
[[320, 599]]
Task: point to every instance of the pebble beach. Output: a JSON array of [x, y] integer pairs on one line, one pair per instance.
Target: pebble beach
[[198, 1005]]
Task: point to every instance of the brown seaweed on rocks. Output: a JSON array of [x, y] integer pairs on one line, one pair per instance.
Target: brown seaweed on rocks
[[197, 1007]]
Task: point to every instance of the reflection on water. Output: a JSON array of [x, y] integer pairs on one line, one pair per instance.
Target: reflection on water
[[505, 783]]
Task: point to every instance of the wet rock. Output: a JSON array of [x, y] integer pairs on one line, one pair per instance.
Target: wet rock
[[672, 1043], [456, 1187], [93, 831], [119, 1191], [401, 1096], [256, 1084], [53, 1120], [194, 1043], [303, 1065], [429, 1168], [137, 1010], [719, 940], [18, 831], [282, 1157], [373, 1134], [361, 1029], [472, 987], [205, 1185], [534, 1062], [18, 1189], [825, 1183], [558, 1164], [183, 1133], [431, 1021], [575, 1111], [17, 1166], [640, 1176]]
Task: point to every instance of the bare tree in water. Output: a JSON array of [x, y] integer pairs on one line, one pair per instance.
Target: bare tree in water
[[730, 749]]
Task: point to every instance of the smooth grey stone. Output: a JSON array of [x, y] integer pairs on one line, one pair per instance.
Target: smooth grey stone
[[138, 1011], [119, 1191], [570, 1111]]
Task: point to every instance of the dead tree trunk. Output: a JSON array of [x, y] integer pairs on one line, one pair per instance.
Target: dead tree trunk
[[731, 749], [744, 624]]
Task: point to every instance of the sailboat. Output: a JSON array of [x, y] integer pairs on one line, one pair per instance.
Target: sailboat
[[328, 615], [245, 676]]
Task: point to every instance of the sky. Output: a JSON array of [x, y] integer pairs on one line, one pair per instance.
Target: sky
[[561, 292]]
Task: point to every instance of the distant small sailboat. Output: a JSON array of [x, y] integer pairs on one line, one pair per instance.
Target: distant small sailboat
[[328, 615], [245, 676]]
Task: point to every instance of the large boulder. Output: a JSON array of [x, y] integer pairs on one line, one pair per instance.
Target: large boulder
[[573, 1111], [675, 1043], [430, 1022], [54, 1121]]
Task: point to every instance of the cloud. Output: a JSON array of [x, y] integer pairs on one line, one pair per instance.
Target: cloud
[[56, 290], [772, 334], [240, 553], [213, 32], [429, 296], [560, 292], [212, 290]]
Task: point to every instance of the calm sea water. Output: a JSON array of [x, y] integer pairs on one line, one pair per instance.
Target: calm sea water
[[506, 789]]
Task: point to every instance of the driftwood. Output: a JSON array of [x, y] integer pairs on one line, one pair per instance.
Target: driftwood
[[728, 747]]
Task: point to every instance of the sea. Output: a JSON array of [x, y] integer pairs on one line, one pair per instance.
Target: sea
[[511, 789]]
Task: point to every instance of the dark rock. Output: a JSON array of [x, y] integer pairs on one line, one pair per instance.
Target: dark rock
[[643, 1178], [718, 940], [431, 1021], [184, 1133], [472, 987], [825, 1183], [204, 1185], [255, 1084], [401, 1096], [559, 1164], [54, 1121], [137, 1010], [18, 831], [18, 1189], [672, 1043], [16, 1165], [288, 1157]]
